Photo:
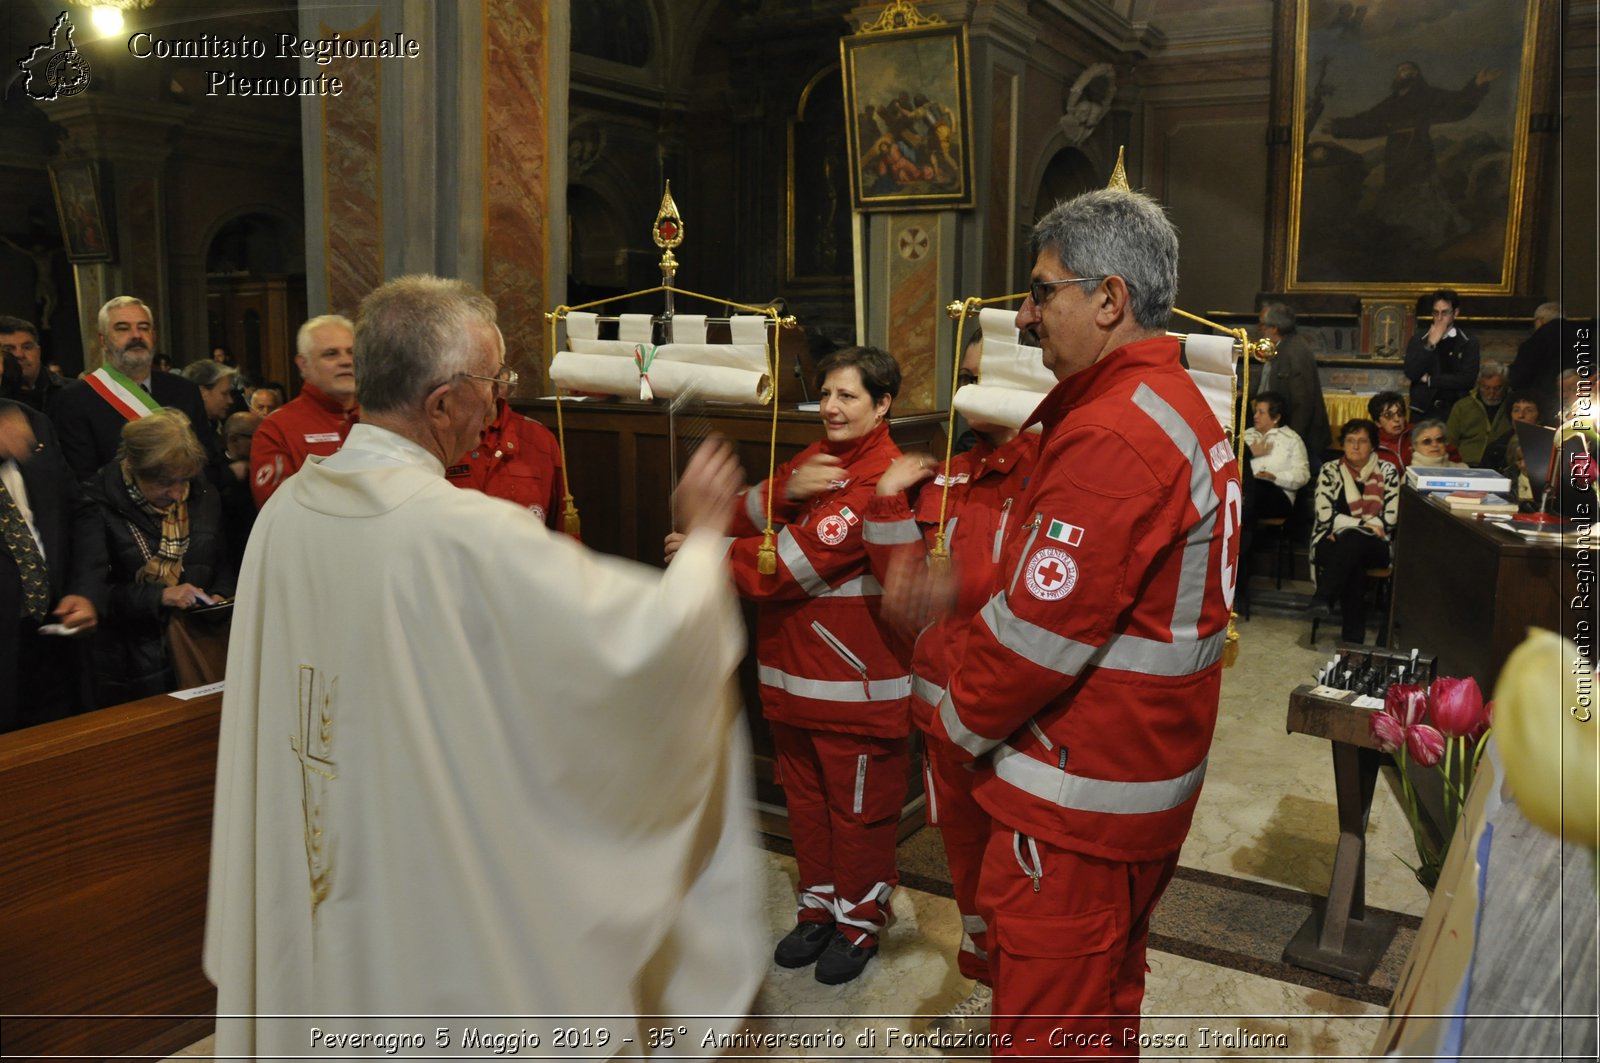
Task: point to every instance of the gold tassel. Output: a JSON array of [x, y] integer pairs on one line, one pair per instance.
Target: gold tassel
[[767, 555], [939, 557], [1230, 647], [569, 519]]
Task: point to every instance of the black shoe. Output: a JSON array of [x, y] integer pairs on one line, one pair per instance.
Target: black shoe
[[801, 946], [843, 961]]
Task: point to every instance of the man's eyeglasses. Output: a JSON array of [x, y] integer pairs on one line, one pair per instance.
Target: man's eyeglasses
[[1037, 290], [505, 378]]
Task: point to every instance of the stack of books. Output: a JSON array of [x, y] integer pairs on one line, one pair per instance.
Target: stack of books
[[1468, 502]]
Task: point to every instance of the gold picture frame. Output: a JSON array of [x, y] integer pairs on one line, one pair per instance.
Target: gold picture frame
[[1402, 164], [78, 206], [908, 116]]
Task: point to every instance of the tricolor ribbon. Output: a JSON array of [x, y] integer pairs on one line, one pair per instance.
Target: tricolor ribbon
[[644, 361], [125, 396]]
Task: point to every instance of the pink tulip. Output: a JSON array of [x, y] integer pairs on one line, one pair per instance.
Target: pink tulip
[[1405, 702], [1456, 706], [1425, 744], [1387, 730]]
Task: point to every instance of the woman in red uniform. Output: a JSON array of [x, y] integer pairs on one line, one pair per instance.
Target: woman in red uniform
[[834, 683], [985, 485]]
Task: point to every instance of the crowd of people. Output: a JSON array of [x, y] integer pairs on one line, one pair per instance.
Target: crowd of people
[[130, 495], [1460, 413]]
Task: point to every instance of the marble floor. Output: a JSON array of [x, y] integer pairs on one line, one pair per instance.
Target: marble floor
[[1267, 815]]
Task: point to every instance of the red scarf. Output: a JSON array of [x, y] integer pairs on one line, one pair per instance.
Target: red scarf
[[1363, 487]]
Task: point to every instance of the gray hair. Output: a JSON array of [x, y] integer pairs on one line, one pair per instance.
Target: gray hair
[[118, 303], [1279, 316], [1123, 233], [1425, 424], [205, 373], [161, 444], [1490, 368], [413, 334], [302, 340], [1547, 312]]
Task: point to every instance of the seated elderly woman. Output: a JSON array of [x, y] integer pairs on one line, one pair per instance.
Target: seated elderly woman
[[165, 550], [1277, 455], [1357, 501], [1430, 446]]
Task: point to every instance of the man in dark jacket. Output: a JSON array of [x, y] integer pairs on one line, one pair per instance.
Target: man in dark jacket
[[35, 383], [1538, 362], [89, 413], [1441, 361], [1292, 373], [45, 523]]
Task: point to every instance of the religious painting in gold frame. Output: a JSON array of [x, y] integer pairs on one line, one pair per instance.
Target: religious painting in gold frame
[[908, 117], [1407, 145], [817, 204]]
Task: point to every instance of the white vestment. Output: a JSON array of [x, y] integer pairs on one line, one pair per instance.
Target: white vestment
[[470, 768]]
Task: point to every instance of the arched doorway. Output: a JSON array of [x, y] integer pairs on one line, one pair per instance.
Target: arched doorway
[[256, 295]]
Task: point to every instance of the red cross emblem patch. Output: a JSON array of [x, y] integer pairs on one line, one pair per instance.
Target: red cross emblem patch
[[1051, 574]]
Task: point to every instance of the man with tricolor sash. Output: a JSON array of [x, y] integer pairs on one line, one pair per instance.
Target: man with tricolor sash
[[89, 413]]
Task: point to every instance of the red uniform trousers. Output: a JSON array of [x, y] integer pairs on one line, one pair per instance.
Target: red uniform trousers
[[1067, 946], [964, 825], [844, 793]]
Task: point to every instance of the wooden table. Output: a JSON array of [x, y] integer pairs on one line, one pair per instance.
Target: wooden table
[[1467, 590], [1341, 937]]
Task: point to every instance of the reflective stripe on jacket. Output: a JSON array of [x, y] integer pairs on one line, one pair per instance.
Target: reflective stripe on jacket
[[1088, 687], [825, 661]]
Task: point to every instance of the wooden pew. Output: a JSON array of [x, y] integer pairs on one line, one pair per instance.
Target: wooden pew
[[105, 840]]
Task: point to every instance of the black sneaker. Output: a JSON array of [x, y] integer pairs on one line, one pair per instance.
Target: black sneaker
[[801, 946], [843, 961]]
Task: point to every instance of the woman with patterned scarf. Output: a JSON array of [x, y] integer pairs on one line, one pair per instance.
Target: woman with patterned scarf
[[1357, 501], [164, 545]]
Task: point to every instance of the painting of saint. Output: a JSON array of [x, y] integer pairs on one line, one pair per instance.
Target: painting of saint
[[1410, 139]]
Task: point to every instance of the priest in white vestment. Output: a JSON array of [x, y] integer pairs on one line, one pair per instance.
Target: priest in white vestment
[[474, 779]]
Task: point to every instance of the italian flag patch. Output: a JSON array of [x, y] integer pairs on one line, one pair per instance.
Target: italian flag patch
[[1063, 532], [850, 518]]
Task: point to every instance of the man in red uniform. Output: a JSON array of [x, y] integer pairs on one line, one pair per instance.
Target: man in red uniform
[[316, 421], [1087, 692], [516, 459], [976, 498]]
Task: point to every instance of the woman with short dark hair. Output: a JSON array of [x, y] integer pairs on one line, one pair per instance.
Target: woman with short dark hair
[[835, 681], [1357, 504]]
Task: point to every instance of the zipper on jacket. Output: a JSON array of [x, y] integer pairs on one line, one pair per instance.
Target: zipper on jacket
[[1032, 528], [1036, 871], [1000, 532], [844, 653]]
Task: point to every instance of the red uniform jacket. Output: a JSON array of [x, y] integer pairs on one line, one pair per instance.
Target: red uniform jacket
[[1090, 680], [987, 488], [516, 459], [823, 659], [312, 423]]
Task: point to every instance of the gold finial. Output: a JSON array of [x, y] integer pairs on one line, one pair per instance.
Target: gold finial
[[1119, 176], [668, 232]]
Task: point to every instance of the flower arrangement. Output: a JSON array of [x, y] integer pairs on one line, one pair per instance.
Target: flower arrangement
[[1444, 725]]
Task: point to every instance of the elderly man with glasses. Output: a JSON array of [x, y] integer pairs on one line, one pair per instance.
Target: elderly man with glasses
[[468, 767], [1087, 693], [516, 459], [317, 420]]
